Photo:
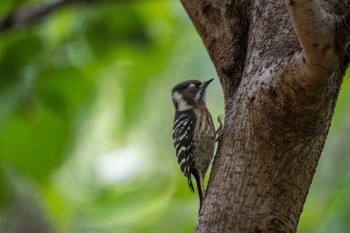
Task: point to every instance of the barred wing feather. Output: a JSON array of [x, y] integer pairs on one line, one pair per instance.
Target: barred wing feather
[[183, 130]]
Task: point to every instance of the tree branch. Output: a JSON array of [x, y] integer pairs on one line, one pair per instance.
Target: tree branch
[[321, 36], [27, 16], [222, 23], [280, 90]]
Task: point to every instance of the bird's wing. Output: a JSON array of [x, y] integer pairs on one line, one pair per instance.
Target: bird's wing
[[182, 135]]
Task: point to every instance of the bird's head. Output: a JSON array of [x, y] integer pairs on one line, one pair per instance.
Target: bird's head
[[188, 94]]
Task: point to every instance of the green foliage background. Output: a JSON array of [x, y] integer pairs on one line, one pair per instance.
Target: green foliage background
[[86, 117]]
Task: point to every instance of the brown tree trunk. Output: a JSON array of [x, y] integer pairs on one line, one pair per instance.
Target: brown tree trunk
[[281, 64]]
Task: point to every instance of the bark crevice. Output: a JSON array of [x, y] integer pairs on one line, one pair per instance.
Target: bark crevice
[[280, 83]]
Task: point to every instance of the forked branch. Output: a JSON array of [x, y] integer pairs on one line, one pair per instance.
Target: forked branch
[[323, 37]]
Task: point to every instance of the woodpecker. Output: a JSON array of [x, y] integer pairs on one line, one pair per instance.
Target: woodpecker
[[193, 132]]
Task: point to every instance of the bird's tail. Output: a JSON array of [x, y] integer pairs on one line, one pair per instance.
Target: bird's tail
[[200, 187], [187, 173]]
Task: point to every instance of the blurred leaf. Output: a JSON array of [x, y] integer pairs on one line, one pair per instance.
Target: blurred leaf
[[17, 55], [28, 144]]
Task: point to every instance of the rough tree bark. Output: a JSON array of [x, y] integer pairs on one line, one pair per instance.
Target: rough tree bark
[[281, 64]]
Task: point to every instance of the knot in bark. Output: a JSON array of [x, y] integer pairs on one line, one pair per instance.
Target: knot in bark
[[271, 224]]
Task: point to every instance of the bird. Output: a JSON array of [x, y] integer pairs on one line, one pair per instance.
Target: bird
[[193, 132]]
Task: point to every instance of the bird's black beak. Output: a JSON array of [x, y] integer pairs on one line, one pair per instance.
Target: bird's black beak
[[206, 83]]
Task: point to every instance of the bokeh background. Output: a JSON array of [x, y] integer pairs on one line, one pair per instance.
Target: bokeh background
[[86, 120]]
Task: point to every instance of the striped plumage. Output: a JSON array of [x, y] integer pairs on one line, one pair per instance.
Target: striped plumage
[[193, 132]]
